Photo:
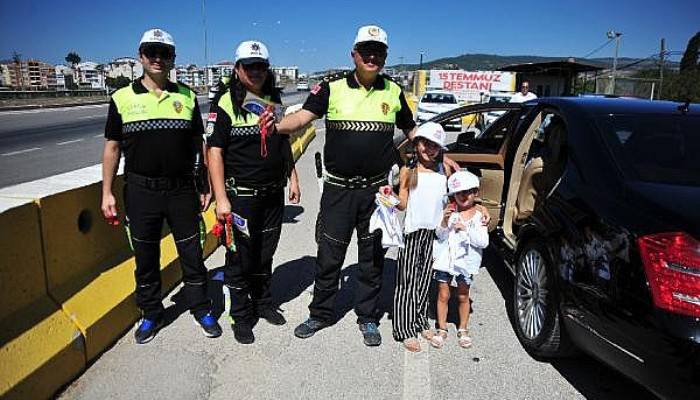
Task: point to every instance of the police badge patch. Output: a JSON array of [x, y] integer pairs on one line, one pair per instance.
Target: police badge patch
[[385, 108], [177, 106], [210, 129]]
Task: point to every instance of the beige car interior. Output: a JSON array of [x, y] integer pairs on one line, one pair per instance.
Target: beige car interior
[[520, 200]]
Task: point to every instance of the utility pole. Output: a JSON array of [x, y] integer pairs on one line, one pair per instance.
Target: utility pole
[[401, 61], [206, 50], [662, 54], [420, 65], [614, 35]]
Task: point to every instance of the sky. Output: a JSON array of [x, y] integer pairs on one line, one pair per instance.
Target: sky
[[318, 34]]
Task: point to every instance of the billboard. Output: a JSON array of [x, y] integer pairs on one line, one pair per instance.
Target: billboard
[[469, 86]]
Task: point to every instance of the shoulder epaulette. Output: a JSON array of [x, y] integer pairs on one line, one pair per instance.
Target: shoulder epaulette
[[336, 76]]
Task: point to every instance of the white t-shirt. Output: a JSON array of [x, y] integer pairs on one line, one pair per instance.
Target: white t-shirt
[[520, 98]]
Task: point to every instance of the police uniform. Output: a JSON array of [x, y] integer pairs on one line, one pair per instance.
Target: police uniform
[[358, 153], [255, 188], [160, 138]]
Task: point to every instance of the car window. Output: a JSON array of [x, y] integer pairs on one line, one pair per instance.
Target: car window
[[498, 99], [439, 98], [655, 148], [477, 137]]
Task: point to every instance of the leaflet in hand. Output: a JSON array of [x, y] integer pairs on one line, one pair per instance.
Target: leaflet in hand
[[257, 105]]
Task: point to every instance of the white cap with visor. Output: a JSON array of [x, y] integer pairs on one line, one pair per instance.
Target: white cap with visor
[[157, 36], [252, 51]]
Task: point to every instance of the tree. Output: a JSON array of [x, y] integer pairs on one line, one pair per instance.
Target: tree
[[74, 59], [17, 60], [118, 82], [689, 62]]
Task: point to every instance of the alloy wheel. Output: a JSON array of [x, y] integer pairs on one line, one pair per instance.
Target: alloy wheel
[[531, 293]]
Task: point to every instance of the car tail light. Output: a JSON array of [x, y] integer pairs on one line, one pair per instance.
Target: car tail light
[[672, 264]]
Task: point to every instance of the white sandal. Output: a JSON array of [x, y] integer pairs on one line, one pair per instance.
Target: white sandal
[[427, 334], [463, 339], [439, 338]]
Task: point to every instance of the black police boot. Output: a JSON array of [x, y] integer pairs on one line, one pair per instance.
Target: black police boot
[[272, 316], [370, 334], [243, 332], [307, 328]]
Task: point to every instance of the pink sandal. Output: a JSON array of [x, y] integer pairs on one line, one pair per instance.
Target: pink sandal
[[463, 339]]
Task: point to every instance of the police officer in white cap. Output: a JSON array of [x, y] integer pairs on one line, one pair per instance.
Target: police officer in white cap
[[158, 126], [249, 170], [362, 109]]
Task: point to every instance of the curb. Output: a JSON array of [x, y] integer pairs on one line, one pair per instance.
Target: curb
[[37, 106]]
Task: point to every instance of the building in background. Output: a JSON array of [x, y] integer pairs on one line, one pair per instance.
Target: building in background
[[285, 75], [555, 78], [64, 77], [4, 76], [190, 75], [214, 73], [28, 75], [128, 67], [91, 75]]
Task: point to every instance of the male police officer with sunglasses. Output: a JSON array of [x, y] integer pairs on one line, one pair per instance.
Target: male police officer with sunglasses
[[362, 109], [158, 126]]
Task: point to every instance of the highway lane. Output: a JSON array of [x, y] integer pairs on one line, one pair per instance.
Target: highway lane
[[38, 143]]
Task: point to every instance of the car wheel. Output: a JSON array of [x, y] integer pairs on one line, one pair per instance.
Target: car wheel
[[536, 305]]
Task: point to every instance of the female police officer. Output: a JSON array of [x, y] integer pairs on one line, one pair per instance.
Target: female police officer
[[249, 171], [158, 125]]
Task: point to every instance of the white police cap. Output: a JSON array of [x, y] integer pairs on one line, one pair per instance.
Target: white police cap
[[157, 35], [371, 33], [252, 51]]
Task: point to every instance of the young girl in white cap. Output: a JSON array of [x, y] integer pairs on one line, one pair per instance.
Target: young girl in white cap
[[421, 194], [461, 237]]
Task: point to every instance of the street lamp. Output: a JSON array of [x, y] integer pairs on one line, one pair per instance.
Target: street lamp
[[420, 65], [614, 35]]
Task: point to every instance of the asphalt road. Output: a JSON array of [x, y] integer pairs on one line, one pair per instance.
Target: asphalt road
[[38, 143], [334, 364]]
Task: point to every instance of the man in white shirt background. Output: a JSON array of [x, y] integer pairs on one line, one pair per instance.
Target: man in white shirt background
[[524, 94]]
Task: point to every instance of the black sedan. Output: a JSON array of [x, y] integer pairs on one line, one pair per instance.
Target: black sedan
[[598, 218]]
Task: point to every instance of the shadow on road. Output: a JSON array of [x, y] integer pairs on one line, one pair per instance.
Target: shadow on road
[[345, 301], [591, 378], [290, 279], [291, 212]]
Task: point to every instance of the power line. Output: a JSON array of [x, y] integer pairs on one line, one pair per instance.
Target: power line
[[598, 48]]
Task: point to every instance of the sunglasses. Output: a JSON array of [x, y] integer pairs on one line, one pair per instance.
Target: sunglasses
[[373, 51], [164, 53], [258, 66]]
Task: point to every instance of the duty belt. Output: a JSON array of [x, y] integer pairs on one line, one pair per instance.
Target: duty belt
[[354, 182], [238, 190], [160, 183]]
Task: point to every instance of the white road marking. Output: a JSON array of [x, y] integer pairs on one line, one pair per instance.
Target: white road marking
[[99, 135], [68, 142], [416, 373], [12, 153]]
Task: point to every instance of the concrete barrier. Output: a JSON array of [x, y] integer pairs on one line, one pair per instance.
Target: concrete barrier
[[66, 278], [72, 295], [41, 347]]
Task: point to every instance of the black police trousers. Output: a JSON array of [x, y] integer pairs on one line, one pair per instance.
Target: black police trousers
[[248, 271], [342, 211], [146, 209]]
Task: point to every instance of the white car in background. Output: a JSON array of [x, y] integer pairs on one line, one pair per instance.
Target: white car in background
[[436, 102], [497, 98], [302, 86]]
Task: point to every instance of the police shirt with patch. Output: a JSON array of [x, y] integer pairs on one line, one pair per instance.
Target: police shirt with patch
[[361, 147], [241, 149], [157, 147]]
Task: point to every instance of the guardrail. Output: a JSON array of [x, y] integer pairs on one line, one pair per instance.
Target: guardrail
[[40, 94], [66, 278]]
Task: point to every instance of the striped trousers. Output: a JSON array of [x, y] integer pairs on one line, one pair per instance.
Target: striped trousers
[[412, 284]]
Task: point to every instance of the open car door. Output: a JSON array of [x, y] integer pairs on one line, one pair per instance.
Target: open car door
[[480, 147]]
